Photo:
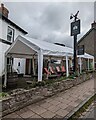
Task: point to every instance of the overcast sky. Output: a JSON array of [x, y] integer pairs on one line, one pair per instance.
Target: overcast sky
[[51, 21]]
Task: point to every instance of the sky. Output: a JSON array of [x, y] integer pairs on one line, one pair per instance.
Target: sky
[[50, 21]]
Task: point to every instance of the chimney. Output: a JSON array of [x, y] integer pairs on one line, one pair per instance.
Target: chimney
[[4, 11], [93, 25]]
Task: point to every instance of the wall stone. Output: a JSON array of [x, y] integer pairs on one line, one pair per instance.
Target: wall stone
[[23, 98]]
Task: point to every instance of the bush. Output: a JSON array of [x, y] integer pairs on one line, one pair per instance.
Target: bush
[[39, 84], [3, 94]]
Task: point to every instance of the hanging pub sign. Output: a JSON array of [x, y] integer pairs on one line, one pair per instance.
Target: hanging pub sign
[[75, 28], [80, 50]]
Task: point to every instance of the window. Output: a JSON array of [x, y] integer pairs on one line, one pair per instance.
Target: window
[[9, 61], [10, 34]]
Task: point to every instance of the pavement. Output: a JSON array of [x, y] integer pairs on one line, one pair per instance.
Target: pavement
[[57, 106]]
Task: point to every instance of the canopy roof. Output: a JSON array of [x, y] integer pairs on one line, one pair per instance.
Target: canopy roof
[[86, 56], [29, 46], [26, 47]]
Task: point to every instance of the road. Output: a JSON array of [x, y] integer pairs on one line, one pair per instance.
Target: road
[[91, 113]]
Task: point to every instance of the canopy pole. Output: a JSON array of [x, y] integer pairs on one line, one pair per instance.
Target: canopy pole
[[67, 71], [93, 64], [40, 65], [62, 63], [71, 62], [80, 65], [49, 59], [88, 64], [33, 65], [11, 64], [5, 80]]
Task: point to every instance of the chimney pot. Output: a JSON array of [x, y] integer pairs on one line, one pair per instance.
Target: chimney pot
[[93, 25], [2, 5], [4, 11]]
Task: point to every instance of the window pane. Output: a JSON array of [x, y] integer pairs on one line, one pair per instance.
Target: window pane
[[10, 34], [9, 38], [8, 61]]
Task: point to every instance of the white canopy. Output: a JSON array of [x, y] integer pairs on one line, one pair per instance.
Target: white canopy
[[86, 56], [29, 46], [26, 47]]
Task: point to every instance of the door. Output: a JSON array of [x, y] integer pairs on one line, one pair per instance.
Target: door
[[28, 69]]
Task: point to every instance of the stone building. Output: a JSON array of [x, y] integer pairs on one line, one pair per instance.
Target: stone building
[[89, 41]]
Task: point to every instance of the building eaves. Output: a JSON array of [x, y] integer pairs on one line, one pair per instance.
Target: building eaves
[[12, 23], [86, 34]]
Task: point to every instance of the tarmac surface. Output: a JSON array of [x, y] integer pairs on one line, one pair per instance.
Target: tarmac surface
[[90, 112], [57, 106]]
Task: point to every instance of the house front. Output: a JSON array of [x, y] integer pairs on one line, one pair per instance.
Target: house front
[[89, 42], [9, 30]]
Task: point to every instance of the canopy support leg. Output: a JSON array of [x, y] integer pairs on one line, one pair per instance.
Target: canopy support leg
[[40, 65], [93, 64], [71, 62], [67, 71], [5, 80], [88, 64], [33, 66], [80, 65]]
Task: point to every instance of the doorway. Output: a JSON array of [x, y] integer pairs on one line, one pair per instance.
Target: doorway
[[28, 67]]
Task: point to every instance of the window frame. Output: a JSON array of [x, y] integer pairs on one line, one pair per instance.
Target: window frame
[[12, 36]]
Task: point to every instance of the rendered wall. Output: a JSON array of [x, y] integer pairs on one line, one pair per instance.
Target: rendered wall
[[4, 47]]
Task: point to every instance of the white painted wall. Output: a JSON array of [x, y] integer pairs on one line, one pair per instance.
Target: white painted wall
[[4, 47], [4, 30], [22, 64], [0, 28]]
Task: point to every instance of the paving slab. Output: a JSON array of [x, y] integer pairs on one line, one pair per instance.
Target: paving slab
[[38, 110], [55, 102], [46, 105], [35, 116], [21, 111], [69, 108], [48, 114], [53, 108], [27, 114], [62, 112], [12, 115]]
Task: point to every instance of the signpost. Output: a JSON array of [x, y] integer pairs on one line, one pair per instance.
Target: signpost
[[75, 30], [80, 50]]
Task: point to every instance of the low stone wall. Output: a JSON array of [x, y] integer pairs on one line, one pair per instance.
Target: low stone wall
[[25, 97]]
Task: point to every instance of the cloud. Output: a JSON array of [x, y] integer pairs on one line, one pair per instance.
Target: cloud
[[50, 21]]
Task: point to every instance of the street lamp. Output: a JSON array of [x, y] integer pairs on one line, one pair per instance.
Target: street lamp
[[75, 30]]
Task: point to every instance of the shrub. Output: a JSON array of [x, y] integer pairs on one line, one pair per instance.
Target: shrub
[[3, 94]]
